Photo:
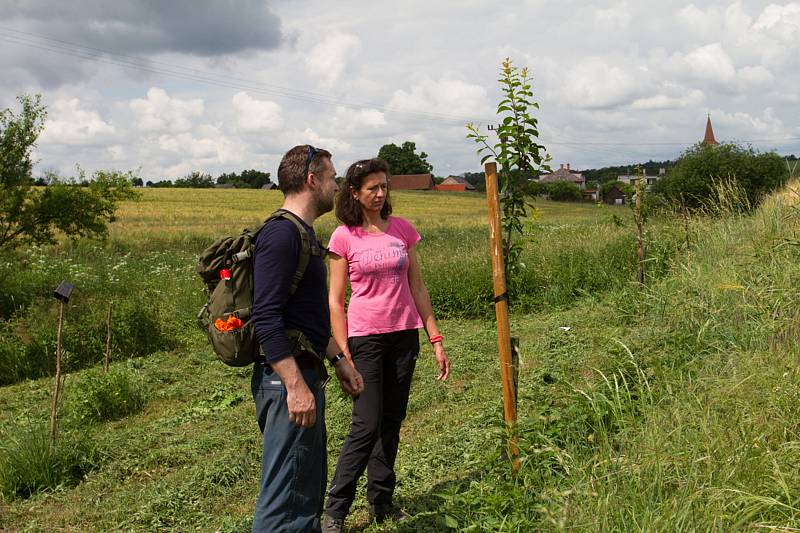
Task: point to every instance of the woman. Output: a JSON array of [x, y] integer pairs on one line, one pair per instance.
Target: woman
[[388, 304]]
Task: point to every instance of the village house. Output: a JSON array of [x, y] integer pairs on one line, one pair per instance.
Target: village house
[[564, 174], [631, 179], [615, 196], [454, 183], [411, 182]]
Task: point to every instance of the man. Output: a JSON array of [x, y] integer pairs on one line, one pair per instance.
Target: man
[[288, 384]]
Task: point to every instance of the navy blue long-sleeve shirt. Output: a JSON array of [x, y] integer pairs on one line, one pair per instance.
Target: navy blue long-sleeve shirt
[[275, 257]]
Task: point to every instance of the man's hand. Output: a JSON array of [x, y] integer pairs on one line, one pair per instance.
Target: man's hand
[[351, 380], [301, 403], [299, 398]]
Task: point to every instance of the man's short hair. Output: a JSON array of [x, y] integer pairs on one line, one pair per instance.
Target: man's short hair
[[295, 165]]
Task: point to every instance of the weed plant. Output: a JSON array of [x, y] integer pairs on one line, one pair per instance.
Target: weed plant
[[96, 396]]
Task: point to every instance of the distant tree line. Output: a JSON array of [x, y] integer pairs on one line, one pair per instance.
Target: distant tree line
[[694, 178], [248, 179]]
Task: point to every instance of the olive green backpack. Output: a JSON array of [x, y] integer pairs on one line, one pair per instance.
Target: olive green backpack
[[233, 297]]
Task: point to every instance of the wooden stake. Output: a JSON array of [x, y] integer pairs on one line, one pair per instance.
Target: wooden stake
[[57, 384], [639, 232], [685, 214], [107, 356], [501, 310]]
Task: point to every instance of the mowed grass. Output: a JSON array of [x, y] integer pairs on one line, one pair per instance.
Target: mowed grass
[[672, 407]]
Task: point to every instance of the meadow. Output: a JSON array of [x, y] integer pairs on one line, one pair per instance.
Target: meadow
[[672, 406]]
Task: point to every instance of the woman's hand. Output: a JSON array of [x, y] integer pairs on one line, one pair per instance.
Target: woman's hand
[[442, 361]]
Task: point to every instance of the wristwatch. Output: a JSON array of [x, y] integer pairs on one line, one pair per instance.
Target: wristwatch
[[335, 359]]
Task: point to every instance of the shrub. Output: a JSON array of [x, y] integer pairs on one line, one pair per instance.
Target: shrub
[[29, 464], [96, 396], [563, 191], [701, 167]]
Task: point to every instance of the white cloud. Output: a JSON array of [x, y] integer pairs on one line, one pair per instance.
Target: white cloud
[[162, 113], [256, 115], [595, 83], [662, 101], [709, 62], [451, 97], [328, 59], [755, 76], [332, 144], [117, 152], [69, 124], [781, 22], [699, 22]]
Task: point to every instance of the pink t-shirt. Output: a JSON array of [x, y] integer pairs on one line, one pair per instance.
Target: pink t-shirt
[[380, 299]]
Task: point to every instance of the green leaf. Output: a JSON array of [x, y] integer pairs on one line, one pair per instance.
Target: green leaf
[[450, 522]]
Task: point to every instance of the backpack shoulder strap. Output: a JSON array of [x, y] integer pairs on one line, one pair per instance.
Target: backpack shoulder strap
[[306, 249]]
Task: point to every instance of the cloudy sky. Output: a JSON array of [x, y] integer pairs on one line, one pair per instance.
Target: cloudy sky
[[169, 87]]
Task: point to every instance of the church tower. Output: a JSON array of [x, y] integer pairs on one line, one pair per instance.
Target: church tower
[[709, 137]]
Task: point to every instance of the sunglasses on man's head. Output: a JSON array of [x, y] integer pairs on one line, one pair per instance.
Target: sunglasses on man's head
[[311, 153]]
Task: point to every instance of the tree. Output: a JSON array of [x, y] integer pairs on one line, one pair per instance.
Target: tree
[[137, 182], [703, 168], [195, 180], [404, 159], [563, 191], [35, 215], [518, 153], [606, 187], [248, 179]]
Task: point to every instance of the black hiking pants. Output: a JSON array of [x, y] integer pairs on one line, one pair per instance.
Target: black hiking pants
[[386, 362]]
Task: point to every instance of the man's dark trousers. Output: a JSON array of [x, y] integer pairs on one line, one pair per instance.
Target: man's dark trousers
[[293, 464], [386, 362]]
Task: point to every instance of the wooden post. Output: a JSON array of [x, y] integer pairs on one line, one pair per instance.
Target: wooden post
[[501, 310], [107, 356], [57, 384], [639, 232], [685, 214]]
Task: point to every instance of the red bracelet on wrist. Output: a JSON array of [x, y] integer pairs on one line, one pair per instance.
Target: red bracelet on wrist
[[435, 339]]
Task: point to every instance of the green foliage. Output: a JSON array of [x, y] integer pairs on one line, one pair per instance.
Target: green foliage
[[517, 153], [96, 396], [150, 319], [29, 215], [608, 174], [195, 180], [30, 463], [562, 191], [404, 159], [702, 166], [248, 179], [606, 187], [163, 184]]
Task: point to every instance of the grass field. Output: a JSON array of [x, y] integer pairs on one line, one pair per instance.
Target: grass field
[[673, 407]]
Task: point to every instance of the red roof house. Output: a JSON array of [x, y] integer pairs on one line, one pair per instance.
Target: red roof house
[[564, 174], [454, 183], [411, 182]]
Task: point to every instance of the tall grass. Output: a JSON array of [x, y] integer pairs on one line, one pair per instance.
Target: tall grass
[[689, 422], [31, 463]]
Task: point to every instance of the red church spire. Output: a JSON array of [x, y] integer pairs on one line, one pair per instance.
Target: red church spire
[[709, 138]]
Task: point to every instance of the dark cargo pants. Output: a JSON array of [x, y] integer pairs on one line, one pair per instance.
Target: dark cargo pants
[[293, 463]]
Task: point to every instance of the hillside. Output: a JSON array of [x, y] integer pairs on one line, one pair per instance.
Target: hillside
[[671, 407]]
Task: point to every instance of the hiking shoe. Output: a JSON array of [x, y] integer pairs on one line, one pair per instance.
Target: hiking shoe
[[332, 525], [386, 511]]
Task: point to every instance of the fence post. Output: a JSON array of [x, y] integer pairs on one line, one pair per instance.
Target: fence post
[[507, 372], [107, 355]]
